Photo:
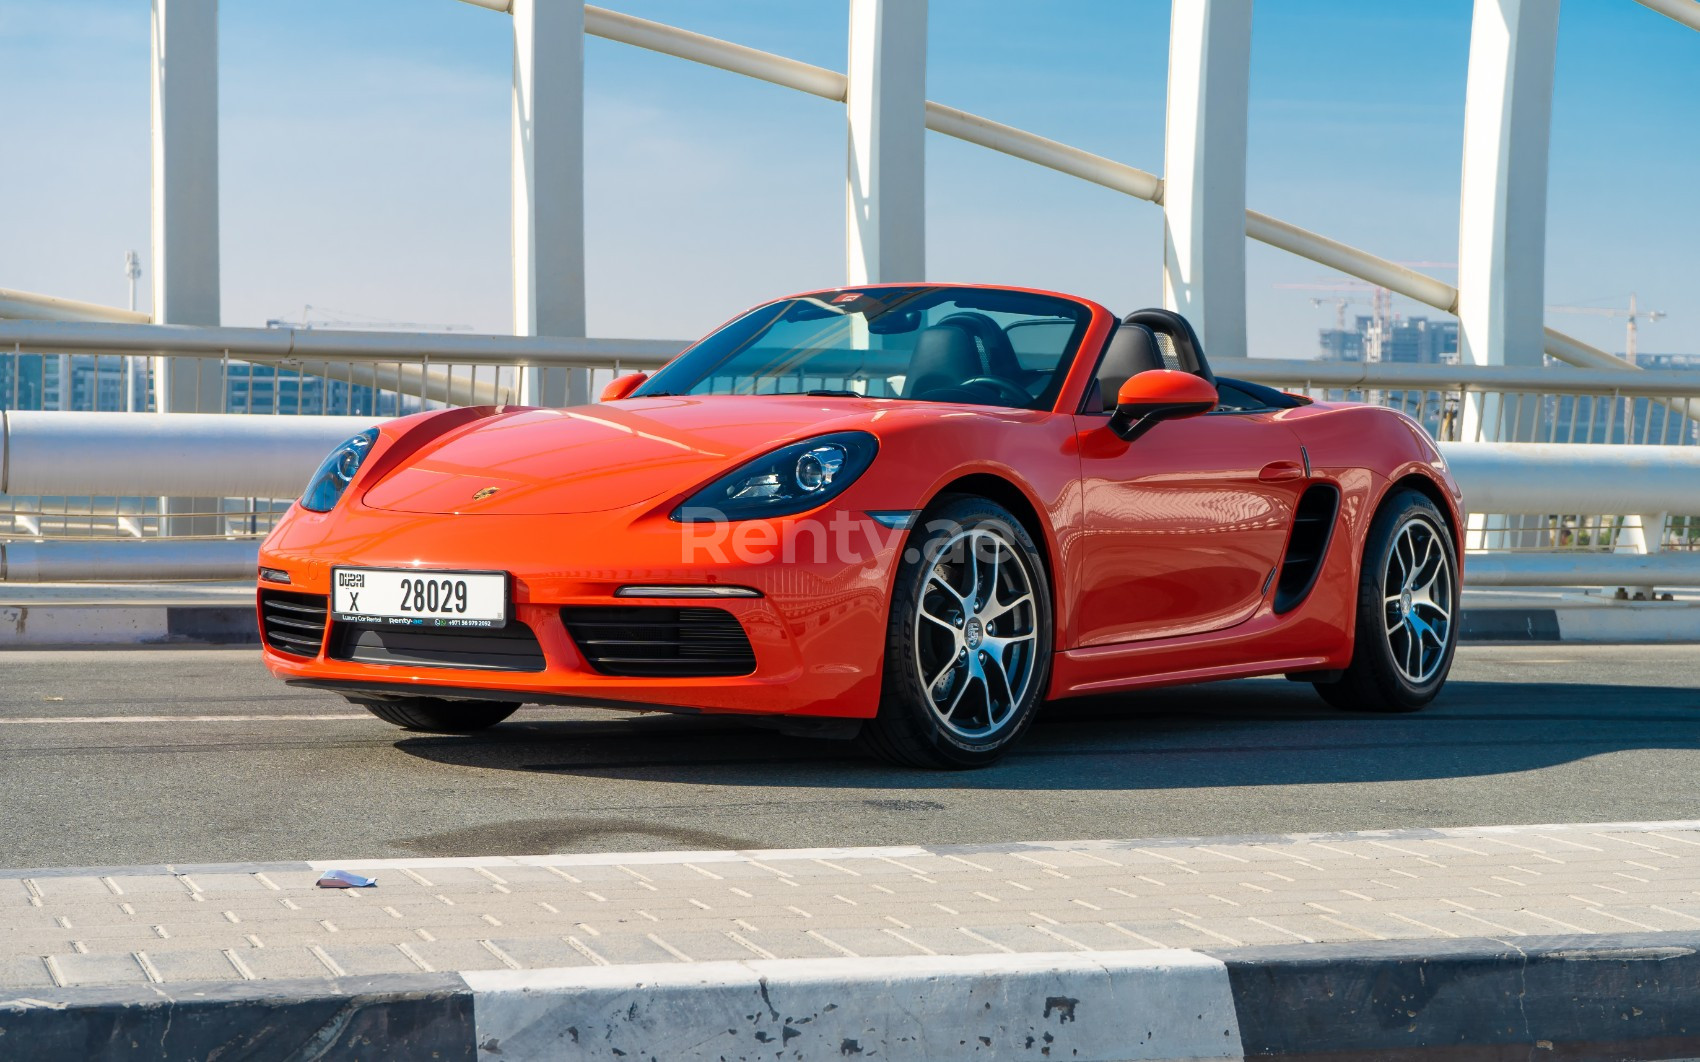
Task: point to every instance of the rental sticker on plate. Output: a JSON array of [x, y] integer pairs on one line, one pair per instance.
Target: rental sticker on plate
[[420, 597]]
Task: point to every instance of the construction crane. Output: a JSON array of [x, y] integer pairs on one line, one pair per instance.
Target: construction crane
[[313, 317], [1634, 314], [1381, 306], [1380, 300]]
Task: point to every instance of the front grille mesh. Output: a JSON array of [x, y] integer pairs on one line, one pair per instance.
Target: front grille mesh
[[293, 623], [660, 642], [511, 648]]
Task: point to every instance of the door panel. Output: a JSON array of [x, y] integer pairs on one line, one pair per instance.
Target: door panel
[[1184, 525]]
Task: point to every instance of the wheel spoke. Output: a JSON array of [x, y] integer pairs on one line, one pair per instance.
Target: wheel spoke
[[997, 609], [949, 666], [961, 687], [1430, 603], [995, 657], [937, 579], [941, 621]]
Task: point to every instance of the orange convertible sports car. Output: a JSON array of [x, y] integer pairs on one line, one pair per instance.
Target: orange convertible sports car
[[911, 511]]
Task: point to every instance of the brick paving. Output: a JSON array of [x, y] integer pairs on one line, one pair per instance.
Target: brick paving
[[248, 922]]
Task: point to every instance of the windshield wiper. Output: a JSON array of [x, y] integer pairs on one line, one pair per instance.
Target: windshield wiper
[[820, 392]]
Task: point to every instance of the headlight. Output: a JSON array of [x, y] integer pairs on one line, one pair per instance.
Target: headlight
[[337, 472], [789, 480]]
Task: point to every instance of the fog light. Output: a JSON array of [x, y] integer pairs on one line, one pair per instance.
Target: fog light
[[274, 575]]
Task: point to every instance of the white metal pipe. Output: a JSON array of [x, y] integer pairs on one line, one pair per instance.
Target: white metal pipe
[[1573, 351], [1541, 478], [1351, 261], [27, 305], [1051, 154], [231, 455], [127, 560], [1502, 212], [1581, 568], [1204, 166], [711, 51], [200, 455], [1686, 12], [329, 345], [832, 85], [1675, 383], [547, 166], [886, 114]]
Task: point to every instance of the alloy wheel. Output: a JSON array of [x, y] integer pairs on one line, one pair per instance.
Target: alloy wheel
[[1417, 599], [976, 633]]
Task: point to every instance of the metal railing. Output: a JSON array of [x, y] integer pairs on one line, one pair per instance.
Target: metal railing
[[88, 366], [1615, 412]]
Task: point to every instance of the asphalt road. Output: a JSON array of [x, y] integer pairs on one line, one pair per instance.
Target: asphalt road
[[196, 755]]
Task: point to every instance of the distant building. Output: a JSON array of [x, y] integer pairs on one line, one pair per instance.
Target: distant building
[[1603, 419], [266, 389], [61, 381], [1667, 361], [1409, 340]]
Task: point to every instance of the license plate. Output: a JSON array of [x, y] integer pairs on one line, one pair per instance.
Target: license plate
[[420, 597]]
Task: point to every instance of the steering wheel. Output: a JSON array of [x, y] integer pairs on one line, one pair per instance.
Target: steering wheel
[[1008, 392]]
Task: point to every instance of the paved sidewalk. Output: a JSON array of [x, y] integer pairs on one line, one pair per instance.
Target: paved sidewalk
[[245, 922]]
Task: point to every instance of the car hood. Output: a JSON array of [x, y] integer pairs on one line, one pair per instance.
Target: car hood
[[596, 458]]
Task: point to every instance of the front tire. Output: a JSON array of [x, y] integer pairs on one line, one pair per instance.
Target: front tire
[[437, 716], [968, 640], [1408, 600]]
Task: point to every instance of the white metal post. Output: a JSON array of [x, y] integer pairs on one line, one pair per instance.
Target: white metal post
[[886, 107], [1503, 212], [548, 188], [1204, 157], [185, 213]]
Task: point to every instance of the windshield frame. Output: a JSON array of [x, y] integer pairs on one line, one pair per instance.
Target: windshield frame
[[1061, 393]]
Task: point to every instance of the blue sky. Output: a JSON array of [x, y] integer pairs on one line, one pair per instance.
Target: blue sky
[[365, 155]]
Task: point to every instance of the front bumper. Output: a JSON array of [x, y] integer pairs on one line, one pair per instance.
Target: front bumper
[[817, 631]]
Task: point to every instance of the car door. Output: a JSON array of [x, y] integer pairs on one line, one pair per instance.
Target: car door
[[1185, 526]]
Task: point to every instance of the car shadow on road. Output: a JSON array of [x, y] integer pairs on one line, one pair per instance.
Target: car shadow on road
[[1244, 733]]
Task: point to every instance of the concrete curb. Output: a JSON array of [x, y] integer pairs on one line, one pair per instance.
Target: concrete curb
[[28, 626], [1621, 997], [1598, 621]]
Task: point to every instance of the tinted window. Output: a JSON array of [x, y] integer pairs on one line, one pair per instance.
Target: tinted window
[[972, 345]]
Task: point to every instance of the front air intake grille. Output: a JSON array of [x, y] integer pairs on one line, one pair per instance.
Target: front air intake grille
[[660, 642], [510, 648], [291, 623]]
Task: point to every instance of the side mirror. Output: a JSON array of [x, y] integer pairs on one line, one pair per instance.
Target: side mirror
[[1156, 395], [621, 386]]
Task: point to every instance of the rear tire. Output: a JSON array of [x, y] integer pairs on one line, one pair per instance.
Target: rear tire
[[1408, 598], [438, 716], [968, 640]]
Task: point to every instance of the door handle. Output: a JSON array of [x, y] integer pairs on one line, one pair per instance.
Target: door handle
[[1280, 471]]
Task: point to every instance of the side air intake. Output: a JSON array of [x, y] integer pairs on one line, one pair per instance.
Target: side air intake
[[1313, 527]]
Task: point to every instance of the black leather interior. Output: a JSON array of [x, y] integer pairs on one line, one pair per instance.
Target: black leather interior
[[944, 357], [1132, 350], [1180, 337], [991, 344]]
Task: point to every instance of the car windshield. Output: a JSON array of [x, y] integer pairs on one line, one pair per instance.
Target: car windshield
[[934, 344]]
